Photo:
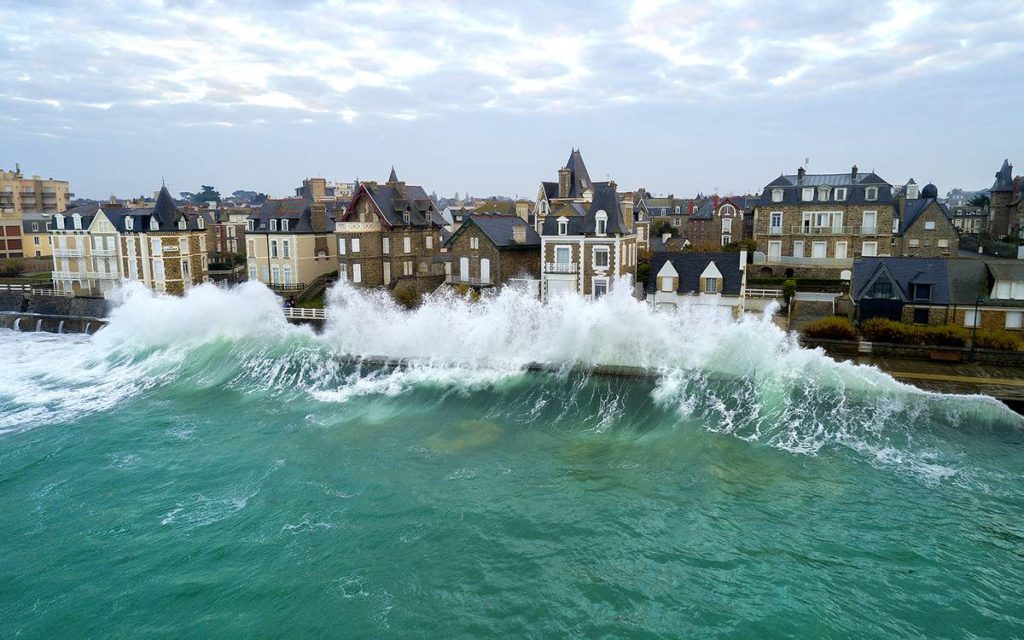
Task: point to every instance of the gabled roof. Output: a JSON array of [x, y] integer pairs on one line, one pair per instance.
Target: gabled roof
[[690, 266], [706, 211], [394, 199], [914, 208], [498, 229], [1004, 178]]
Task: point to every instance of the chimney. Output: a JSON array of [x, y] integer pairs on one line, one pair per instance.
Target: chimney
[[743, 259], [853, 173], [519, 234], [317, 188], [716, 202], [800, 173], [665, 237], [564, 182], [318, 217], [627, 210]]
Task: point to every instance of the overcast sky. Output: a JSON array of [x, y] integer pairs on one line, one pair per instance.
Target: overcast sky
[[680, 97]]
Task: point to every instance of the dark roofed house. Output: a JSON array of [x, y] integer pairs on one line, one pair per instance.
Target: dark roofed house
[[717, 279], [389, 234], [290, 242], [1006, 203], [924, 226], [588, 233], [490, 250], [940, 291]]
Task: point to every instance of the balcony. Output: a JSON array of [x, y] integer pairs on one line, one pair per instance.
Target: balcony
[[69, 275], [356, 227], [104, 275], [800, 230], [810, 262], [453, 278], [99, 253], [561, 267], [67, 253]]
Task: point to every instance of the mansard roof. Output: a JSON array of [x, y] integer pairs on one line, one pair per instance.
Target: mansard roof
[[855, 185], [297, 211], [394, 199], [583, 216], [164, 211]]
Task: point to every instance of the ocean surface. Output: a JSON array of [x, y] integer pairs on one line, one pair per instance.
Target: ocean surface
[[202, 469]]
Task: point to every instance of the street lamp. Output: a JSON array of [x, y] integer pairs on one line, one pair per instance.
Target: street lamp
[[974, 327]]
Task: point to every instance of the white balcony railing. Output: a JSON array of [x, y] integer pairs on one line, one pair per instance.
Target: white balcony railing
[[69, 275], [103, 252], [823, 231], [818, 262], [561, 267], [104, 275], [768, 294], [454, 278], [68, 253], [356, 227], [299, 313]]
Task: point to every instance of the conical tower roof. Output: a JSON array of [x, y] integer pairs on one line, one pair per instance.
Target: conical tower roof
[[165, 210]]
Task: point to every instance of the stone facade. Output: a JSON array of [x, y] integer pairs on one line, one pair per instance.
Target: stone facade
[[473, 245], [932, 235]]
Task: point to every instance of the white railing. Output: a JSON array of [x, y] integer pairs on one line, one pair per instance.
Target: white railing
[[104, 275], [299, 313], [68, 253], [824, 231], [350, 227], [452, 278], [764, 293], [560, 267], [15, 287], [818, 262], [70, 275], [103, 252], [53, 292]]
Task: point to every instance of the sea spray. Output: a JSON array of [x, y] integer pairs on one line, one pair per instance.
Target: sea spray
[[745, 377]]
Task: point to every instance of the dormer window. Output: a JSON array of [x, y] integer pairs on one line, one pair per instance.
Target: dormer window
[[129, 223], [154, 224], [840, 194], [710, 285], [273, 225], [76, 221], [871, 193], [563, 227], [285, 225], [182, 223], [678, 210], [807, 194], [60, 221], [922, 292], [201, 222], [776, 195], [250, 225], [406, 217], [823, 194], [601, 220]]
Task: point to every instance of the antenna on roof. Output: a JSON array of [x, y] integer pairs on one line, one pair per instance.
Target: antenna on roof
[[162, 183]]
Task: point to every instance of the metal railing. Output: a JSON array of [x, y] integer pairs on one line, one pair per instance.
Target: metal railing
[[561, 267], [104, 275], [452, 278], [70, 275], [300, 313], [820, 262], [68, 253], [53, 292], [764, 293], [281, 286], [103, 252], [801, 230]]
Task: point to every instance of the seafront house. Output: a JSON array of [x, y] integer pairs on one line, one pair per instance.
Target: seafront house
[[36, 235], [815, 225], [718, 279], [1006, 203], [20, 195], [716, 223], [923, 226], [642, 218], [588, 234], [74, 270], [390, 233], [163, 247], [290, 243], [968, 292], [489, 250]]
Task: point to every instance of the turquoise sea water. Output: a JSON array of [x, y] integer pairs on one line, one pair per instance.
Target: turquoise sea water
[[200, 469]]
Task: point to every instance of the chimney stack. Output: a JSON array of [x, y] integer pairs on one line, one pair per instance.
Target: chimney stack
[[317, 188], [628, 215], [564, 182], [519, 234], [318, 217], [853, 173], [800, 173]]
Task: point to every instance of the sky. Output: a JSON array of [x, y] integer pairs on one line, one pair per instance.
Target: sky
[[490, 97]]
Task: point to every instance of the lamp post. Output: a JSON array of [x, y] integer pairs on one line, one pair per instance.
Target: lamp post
[[974, 327]]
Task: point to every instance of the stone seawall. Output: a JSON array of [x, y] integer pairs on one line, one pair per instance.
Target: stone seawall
[[55, 314], [29, 322], [916, 352]]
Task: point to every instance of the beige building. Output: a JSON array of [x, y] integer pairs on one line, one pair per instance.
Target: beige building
[[289, 243], [20, 195], [36, 235], [588, 233]]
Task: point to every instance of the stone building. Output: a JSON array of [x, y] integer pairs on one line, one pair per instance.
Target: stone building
[[923, 226], [489, 250], [716, 223], [163, 247], [389, 233], [819, 223], [1006, 205], [290, 243]]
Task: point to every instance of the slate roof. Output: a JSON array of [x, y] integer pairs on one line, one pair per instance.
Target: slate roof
[[394, 199], [498, 229], [86, 211], [582, 216], [914, 208], [855, 188], [689, 266], [579, 178], [41, 221], [903, 272], [706, 211], [1004, 178], [164, 211], [1007, 270], [297, 211]]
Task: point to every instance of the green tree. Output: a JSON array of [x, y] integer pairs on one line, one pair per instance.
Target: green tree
[[981, 200], [207, 194]]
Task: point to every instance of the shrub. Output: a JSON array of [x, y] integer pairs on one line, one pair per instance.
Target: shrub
[[834, 328], [408, 298], [945, 335], [11, 267], [788, 289], [998, 339]]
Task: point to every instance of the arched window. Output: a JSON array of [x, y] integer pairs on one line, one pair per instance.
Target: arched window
[[129, 223], [59, 220], [76, 221], [154, 223], [601, 222]]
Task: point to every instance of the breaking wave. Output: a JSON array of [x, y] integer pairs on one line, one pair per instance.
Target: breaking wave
[[745, 378]]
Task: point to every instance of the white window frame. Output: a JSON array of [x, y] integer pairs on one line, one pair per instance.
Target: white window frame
[[568, 253], [273, 249], [357, 273], [273, 224], [407, 244], [772, 227], [972, 318], [798, 248], [807, 194], [710, 285], [666, 284], [355, 248], [385, 245], [929, 225], [563, 227], [776, 195], [864, 249], [341, 246], [871, 194], [285, 224], [839, 194], [593, 287], [606, 251], [286, 249], [1018, 324]]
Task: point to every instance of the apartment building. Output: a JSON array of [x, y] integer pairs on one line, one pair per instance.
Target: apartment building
[[20, 195], [289, 242]]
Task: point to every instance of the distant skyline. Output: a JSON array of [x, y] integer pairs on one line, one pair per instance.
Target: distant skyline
[[677, 97]]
